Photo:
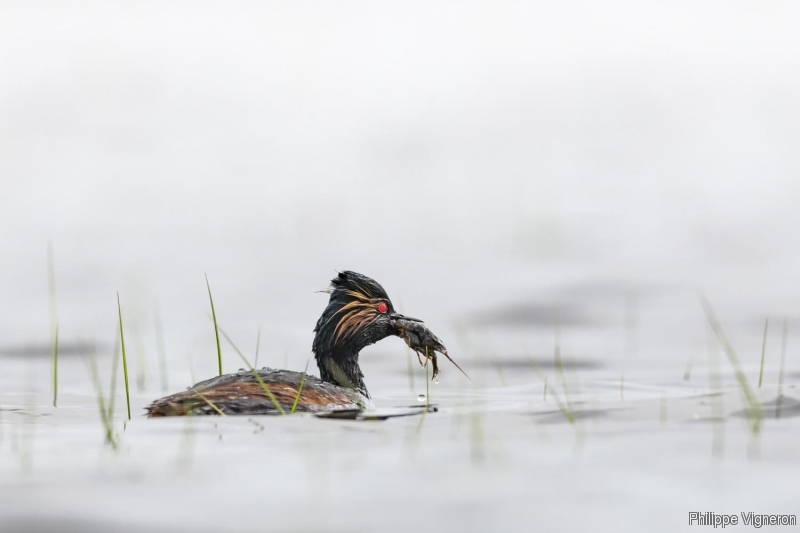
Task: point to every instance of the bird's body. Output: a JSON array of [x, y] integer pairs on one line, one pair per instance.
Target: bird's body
[[359, 313], [243, 394]]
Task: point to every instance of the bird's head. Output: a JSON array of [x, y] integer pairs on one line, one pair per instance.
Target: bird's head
[[359, 313]]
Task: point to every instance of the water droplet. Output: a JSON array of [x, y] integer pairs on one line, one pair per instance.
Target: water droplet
[[241, 370], [421, 397], [435, 381]]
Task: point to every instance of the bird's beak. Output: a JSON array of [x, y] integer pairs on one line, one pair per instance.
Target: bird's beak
[[416, 334], [422, 340], [398, 316]]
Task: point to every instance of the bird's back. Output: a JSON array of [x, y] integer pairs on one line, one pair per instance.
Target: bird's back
[[243, 393]]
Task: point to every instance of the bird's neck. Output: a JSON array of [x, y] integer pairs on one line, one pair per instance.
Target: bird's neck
[[341, 368]]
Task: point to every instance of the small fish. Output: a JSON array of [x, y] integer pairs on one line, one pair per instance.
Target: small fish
[[424, 343]]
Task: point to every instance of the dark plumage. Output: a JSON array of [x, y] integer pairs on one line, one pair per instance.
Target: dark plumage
[[359, 313]]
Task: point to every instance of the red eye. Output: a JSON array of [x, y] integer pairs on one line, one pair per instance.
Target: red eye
[[382, 308]]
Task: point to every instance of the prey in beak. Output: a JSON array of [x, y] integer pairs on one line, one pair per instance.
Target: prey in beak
[[423, 341]]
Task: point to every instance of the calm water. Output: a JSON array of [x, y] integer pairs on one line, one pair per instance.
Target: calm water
[[521, 177]]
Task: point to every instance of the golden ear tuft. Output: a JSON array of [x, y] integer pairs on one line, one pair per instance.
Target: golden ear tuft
[[353, 322]]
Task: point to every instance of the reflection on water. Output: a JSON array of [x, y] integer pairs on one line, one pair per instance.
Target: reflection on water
[[68, 524], [68, 349], [560, 428], [779, 407], [517, 364]]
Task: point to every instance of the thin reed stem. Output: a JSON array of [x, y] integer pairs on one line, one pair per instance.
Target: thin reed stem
[[784, 340], [105, 414], [55, 367], [210, 403], [263, 385], [427, 382], [124, 358], [753, 408], [300, 388], [51, 279], [216, 328], [112, 395], [763, 353]]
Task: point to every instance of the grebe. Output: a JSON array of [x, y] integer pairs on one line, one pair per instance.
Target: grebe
[[359, 313]]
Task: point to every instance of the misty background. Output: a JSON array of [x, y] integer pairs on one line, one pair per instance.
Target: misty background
[[530, 178], [483, 162]]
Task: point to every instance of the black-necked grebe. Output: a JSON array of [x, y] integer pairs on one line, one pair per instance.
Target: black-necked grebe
[[359, 313]]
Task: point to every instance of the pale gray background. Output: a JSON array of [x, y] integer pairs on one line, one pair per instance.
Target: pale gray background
[[486, 162]]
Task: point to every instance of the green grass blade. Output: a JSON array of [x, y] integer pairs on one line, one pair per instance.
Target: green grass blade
[[210, 403], [55, 367], [566, 410], [561, 377], [753, 408], [268, 392], [763, 353], [687, 373], [560, 370], [216, 327], [300, 388], [124, 358], [112, 395], [51, 281], [427, 383], [781, 372], [105, 417]]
